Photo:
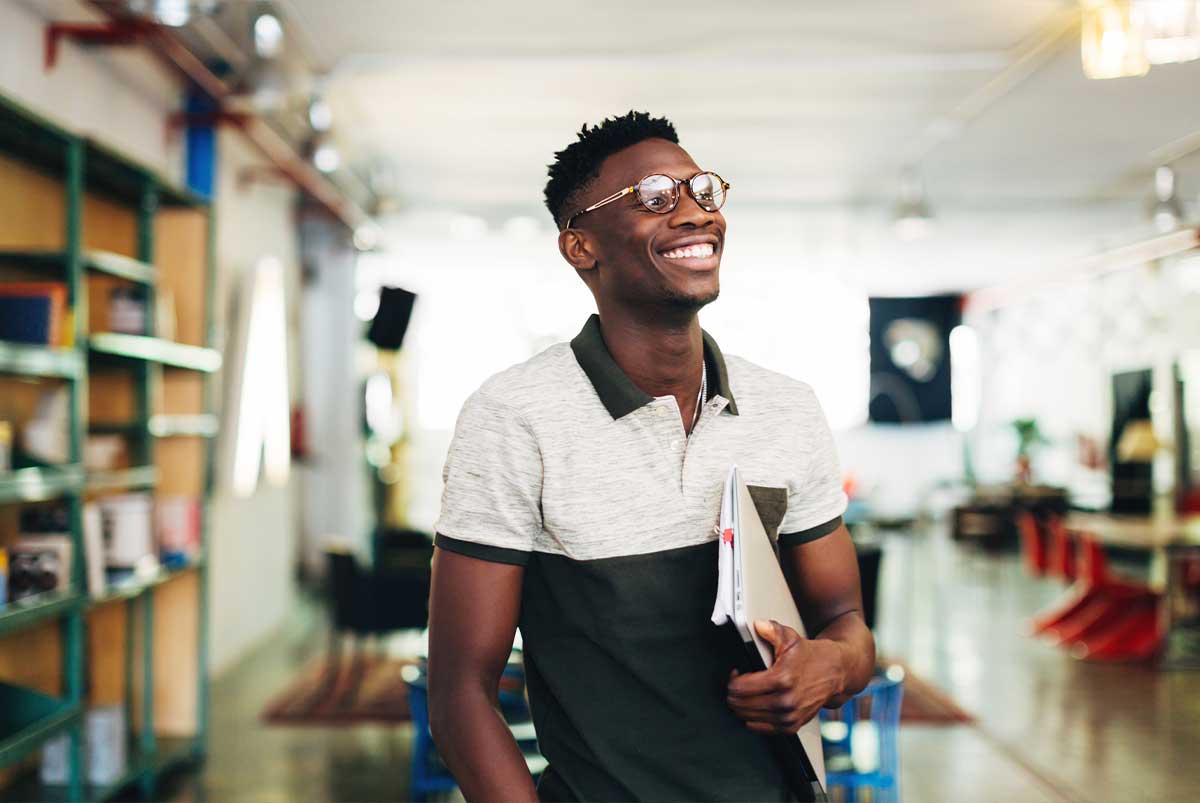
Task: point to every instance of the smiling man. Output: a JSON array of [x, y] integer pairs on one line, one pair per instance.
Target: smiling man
[[581, 495]]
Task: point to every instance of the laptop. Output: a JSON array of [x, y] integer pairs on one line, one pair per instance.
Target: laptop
[[751, 586]]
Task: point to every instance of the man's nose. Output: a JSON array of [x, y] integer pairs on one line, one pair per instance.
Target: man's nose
[[688, 212]]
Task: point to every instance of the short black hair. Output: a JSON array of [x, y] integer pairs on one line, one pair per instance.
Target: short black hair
[[576, 166]]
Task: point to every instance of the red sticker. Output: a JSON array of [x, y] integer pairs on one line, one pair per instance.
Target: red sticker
[[727, 536]]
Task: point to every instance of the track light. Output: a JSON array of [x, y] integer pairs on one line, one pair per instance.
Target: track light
[[320, 115], [1165, 209], [173, 13], [268, 35], [1171, 29], [326, 156], [912, 219]]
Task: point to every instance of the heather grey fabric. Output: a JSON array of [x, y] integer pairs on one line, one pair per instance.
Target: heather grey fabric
[[539, 462], [563, 466]]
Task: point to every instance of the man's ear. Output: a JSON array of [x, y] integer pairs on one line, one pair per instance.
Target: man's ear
[[576, 248]]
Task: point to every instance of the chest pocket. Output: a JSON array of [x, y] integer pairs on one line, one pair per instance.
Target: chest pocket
[[771, 504]]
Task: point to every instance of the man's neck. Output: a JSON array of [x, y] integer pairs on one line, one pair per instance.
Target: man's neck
[[663, 357]]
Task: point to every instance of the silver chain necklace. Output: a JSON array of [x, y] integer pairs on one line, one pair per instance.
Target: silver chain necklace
[[702, 395]]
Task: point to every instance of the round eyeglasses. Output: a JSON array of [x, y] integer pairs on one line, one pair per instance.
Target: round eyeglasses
[[660, 193]]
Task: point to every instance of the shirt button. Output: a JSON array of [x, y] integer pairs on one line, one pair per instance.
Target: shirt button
[[674, 444]]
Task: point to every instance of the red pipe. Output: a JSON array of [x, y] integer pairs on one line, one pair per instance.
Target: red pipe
[[280, 153]]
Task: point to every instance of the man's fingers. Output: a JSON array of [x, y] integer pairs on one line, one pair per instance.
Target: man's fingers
[[768, 681]]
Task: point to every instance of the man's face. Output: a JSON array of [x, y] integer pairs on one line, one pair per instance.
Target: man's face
[[631, 244]]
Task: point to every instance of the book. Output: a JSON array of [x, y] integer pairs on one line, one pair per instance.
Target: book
[[751, 586], [33, 312]]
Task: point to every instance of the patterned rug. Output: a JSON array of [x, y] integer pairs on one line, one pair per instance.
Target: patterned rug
[[354, 689], [362, 689], [926, 704]]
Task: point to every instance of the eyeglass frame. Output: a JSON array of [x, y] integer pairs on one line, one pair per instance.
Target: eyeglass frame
[[725, 187]]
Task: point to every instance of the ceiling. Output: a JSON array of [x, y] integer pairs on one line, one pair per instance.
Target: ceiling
[[811, 110]]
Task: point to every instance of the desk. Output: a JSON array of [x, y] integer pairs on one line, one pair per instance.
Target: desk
[[1173, 542]]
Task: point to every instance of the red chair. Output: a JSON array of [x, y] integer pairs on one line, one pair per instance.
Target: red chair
[[1033, 545]]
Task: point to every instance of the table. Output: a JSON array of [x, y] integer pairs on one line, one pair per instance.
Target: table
[[1173, 541]]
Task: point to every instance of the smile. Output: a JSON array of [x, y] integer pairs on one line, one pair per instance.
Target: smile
[[698, 251]]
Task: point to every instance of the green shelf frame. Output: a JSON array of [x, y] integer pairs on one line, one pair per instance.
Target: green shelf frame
[[24, 359], [16, 616], [202, 425], [135, 478], [87, 166], [40, 483], [153, 349], [172, 751], [120, 266], [37, 259], [136, 587], [28, 718]]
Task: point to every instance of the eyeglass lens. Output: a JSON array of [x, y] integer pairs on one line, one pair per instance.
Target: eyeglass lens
[[659, 193]]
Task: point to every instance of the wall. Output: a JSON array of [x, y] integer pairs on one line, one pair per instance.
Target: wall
[[253, 539], [1051, 356], [123, 97]]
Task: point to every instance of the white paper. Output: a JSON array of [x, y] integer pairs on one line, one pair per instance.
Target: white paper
[[723, 609]]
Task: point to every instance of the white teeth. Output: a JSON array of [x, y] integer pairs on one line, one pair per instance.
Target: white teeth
[[701, 251]]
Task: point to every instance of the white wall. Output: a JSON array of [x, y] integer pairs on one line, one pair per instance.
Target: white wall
[[253, 540], [1051, 357], [123, 97]]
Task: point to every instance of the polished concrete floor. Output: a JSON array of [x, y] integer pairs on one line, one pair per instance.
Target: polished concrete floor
[[1048, 728]]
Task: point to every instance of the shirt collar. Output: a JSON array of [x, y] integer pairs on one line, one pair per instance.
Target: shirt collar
[[617, 391]]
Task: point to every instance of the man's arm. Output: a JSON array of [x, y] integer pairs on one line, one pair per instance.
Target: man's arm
[[826, 669], [473, 613]]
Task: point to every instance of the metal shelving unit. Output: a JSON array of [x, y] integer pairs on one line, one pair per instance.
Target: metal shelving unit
[[28, 718]]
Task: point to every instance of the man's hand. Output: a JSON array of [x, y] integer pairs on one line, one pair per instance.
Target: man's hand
[[806, 675]]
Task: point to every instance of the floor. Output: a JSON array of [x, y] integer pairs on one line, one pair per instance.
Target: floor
[[1049, 728]]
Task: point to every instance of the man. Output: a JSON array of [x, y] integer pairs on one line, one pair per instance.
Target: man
[[581, 495]]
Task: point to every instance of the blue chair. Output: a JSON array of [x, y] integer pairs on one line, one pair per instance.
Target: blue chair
[[878, 755], [428, 775]]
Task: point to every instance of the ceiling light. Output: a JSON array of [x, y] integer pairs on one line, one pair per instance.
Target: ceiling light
[[1112, 43], [1165, 210], [912, 219], [268, 35], [174, 13], [1170, 28], [320, 115], [326, 157]]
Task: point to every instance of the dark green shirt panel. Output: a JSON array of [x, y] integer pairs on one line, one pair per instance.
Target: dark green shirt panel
[[811, 534], [627, 680]]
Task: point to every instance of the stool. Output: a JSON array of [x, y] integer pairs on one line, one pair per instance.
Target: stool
[[861, 740], [428, 774]]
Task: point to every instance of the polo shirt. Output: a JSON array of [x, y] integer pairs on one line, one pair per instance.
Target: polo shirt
[[562, 465]]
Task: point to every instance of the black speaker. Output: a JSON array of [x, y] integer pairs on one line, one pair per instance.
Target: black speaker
[[391, 320], [910, 358]]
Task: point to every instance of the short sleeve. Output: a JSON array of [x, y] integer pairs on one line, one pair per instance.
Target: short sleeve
[[492, 492], [817, 502]]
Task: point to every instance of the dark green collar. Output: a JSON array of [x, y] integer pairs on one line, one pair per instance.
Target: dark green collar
[[617, 391]]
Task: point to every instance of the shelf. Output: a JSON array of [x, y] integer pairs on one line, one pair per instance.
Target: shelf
[[120, 266], [152, 349], [27, 359], [40, 259], [172, 751], [136, 478], [31, 137], [112, 173], [27, 719], [205, 425], [39, 483], [32, 610], [137, 586]]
